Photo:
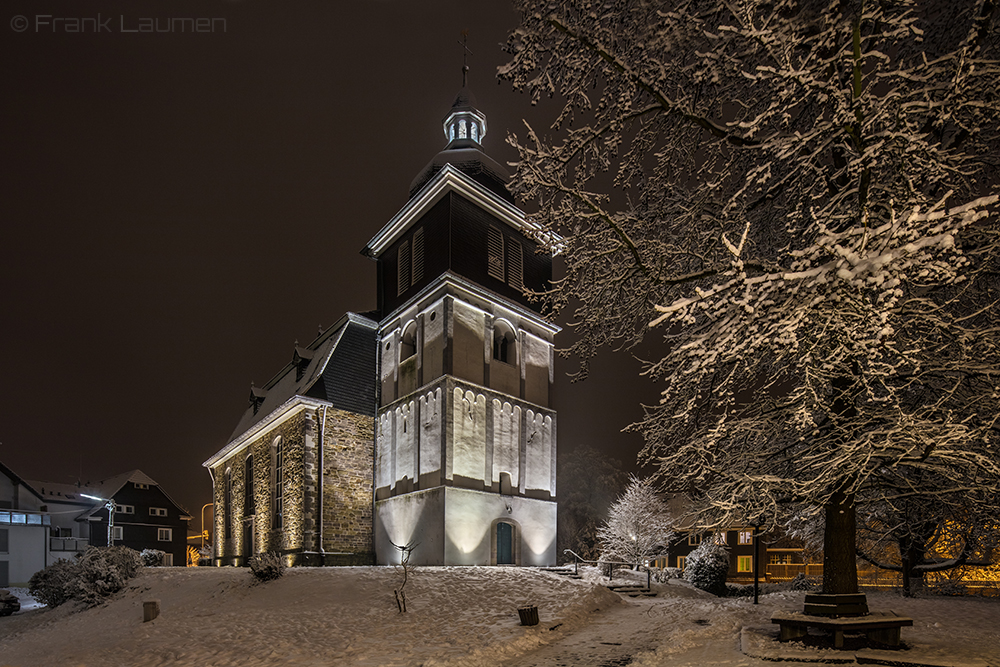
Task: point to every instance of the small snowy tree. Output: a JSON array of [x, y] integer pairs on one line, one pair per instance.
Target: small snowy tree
[[707, 566], [801, 205], [638, 525]]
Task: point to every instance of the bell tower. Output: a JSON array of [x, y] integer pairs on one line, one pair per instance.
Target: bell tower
[[465, 450]]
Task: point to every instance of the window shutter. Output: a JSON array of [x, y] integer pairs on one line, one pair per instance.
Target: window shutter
[[515, 264], [418, 256], [495, 263], [403, 268]]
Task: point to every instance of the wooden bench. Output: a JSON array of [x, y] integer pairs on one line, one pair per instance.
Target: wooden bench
[[878, 627]]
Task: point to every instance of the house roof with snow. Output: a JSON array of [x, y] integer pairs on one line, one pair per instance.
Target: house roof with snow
[[336, 367], [73, 494]]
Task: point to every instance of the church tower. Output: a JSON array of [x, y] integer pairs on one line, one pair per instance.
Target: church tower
[[465, 445]]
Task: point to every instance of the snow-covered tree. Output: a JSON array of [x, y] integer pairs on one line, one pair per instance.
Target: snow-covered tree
[[797, 193], [638, 525], [708, 566], [916, 538]]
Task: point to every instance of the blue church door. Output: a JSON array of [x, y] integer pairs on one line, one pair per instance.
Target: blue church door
[[505, 544]]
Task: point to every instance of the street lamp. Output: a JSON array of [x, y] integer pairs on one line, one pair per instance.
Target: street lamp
[[111, 505]]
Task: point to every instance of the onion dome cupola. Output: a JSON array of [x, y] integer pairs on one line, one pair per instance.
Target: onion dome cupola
[[464, 129], [465, 126]]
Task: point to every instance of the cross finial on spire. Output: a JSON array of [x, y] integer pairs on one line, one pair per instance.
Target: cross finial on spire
[[465, 57]]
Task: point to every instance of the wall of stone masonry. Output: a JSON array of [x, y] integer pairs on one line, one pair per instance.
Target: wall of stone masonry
[[266, 535], [348, 454]]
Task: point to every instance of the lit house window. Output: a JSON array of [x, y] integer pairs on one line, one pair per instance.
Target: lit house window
[[746, 537], [140, 485], [165, 534], [744, 564]]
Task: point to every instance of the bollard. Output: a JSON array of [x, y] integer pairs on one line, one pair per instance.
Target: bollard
[[150, 610]]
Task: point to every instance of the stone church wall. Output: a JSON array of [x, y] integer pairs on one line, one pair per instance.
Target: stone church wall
[[347, 488], [348, 442]]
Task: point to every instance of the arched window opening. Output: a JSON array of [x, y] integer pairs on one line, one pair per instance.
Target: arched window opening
[[248, 500], [504, 343], [227, 517], [408, 341], [278, 480]]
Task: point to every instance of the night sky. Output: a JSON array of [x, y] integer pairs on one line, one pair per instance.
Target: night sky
[[179, 209]]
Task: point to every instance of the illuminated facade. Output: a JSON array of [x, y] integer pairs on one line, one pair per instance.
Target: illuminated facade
[[427, 425], [295, 477], [465, 453]]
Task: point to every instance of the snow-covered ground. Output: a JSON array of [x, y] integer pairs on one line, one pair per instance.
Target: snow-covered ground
[[457, 616]]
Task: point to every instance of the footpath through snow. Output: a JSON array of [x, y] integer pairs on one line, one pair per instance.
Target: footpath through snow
[[215, 617]]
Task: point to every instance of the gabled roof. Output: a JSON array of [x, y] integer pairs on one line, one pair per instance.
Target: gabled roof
[[338, 367], [107, 488], [449, 179], [17, 480]]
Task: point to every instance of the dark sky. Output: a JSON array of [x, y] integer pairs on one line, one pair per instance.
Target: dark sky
[[179, 209]]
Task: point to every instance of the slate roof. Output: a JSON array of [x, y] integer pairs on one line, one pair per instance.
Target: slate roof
[[341, 370], [471, 161]]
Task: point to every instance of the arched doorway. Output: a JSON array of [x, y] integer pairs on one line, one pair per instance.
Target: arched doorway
[[505, 544]]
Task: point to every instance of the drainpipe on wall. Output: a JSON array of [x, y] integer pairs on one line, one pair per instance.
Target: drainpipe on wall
[[322, 429]]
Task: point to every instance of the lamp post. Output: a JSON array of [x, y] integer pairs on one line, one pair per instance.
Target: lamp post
[[111, 505]]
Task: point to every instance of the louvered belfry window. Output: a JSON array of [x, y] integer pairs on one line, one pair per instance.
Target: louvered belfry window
[[418, 256], [495, 262], [515, 264], [403, 268]]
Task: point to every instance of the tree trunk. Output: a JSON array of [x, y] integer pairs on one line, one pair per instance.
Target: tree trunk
[[840, 569], [912, 555]]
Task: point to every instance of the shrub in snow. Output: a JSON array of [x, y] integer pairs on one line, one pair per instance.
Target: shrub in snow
[[267, 567], [801, 583], [667, 573], [55, 584], [98, 574], [707, 566], [152, 557], [103, 571]]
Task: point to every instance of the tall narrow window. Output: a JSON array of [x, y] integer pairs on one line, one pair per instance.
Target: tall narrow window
[[515, 264], [495, 261], [418, 256], [227, 517], [277, 468], [248, 504], [403, 268]]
